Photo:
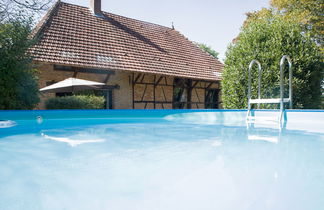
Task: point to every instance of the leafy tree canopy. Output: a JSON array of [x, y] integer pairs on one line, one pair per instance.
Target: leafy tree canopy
[[308, 13], [208, 49], [267, 39]]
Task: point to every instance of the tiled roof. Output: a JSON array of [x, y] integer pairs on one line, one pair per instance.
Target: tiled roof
[[72, 35]]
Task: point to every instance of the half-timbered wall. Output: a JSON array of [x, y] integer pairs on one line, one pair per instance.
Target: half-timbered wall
[[136, 90], [152, 91], [158, 92]]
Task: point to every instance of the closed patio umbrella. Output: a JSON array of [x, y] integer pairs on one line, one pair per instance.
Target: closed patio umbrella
[[71, 85]]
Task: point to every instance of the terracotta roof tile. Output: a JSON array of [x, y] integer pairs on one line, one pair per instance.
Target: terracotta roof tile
[[72, 35]]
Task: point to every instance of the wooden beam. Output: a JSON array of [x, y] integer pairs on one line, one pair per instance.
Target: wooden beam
[[160, 84], [195, 84], [200, 85], [166, 81], [107, 99], [133, 91], [158, 102], [189, 93], [159, 80], [83, 70], [75, 73], [210, 84], [144, 93], [151, 83], [138, 76], [189, 102], [107, 78], [165, 98], [143, 78], [154, 91], [109, 87], [197, 95]]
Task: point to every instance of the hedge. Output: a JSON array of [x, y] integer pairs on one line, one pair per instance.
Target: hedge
[[76, 102], [267, 40]]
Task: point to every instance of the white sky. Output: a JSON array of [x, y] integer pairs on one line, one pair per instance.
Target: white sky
[[213, 22]]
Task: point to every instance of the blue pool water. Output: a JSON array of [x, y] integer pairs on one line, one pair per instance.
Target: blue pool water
[[158, 160]]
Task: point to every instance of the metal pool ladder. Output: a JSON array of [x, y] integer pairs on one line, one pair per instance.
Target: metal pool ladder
[[280, 100]]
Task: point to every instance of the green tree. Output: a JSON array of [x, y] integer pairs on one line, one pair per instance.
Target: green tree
[[208, 49], [267, 39], [310, 13], [18, 83]]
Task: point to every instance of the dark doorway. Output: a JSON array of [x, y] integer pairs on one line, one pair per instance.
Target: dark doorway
[[211, 98], [180, 93]]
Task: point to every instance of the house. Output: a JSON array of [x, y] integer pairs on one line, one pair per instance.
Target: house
[[144, 65]]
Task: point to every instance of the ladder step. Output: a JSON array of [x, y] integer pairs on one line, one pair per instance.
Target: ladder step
[[271, 139], [254, 118], [269, 101]]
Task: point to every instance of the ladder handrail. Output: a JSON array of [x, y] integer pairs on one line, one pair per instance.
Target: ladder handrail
[[282, 62], [282, 99], [259, 81]]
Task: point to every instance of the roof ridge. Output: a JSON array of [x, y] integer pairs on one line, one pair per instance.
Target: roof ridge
[[121, 16]]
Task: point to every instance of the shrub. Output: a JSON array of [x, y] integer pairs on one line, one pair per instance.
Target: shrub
[[76, 102], [267, 40]]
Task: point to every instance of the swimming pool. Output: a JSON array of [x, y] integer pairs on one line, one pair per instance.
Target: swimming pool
[[161, 159]]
